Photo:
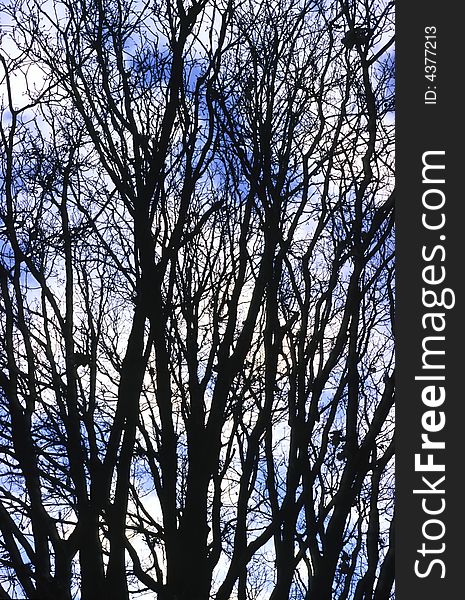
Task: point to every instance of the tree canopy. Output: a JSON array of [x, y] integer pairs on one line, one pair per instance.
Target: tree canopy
[[196, 271]]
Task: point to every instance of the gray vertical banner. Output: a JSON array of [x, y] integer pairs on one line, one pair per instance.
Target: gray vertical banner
[[430, 428]]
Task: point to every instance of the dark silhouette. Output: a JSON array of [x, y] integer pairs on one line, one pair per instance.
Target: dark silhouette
[[196, 271]]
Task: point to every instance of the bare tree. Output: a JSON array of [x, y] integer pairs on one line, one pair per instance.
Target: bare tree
[[196, 384]]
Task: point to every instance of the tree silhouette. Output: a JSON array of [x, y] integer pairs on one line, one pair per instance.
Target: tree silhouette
[[196, 383]]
